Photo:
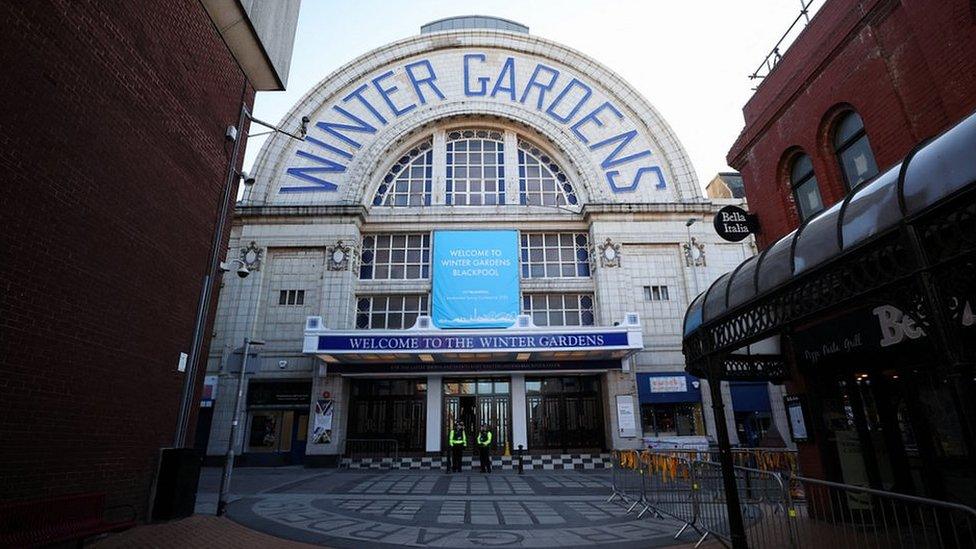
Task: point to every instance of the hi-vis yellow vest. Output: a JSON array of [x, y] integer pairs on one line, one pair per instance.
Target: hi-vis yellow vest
[[463, 441], [486, 440]]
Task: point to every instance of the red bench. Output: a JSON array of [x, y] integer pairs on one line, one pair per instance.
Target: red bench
[[60, 519]]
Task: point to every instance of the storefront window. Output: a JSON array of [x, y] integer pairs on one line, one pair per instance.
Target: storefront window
[[672, 419], [541, 181]]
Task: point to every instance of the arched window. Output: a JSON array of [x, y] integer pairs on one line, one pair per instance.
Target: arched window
[[805, 189], [853, 150], [475, 167], [541, 181], [409, 180]]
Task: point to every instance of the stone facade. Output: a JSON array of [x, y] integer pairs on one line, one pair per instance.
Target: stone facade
[[330, 192]]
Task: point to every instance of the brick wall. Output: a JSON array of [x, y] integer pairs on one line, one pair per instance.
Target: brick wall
[[908, 68], [113, 156]]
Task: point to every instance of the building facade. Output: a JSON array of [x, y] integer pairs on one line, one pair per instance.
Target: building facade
[[857, 159], [481, 226], [863, 84], [113, 191]]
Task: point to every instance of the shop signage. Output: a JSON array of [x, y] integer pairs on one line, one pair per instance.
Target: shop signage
[[476, 279], [668, 384], [286, 394], [473, 343], [582, 108], [453, 367], [874, 330], [732, 223]]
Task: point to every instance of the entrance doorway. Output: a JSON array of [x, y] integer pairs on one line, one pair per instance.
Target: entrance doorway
[[564, 413], [477, 401], [389, 409]]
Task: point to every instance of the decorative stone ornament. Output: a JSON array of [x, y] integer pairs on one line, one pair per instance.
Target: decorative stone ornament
[[609, 254], [339, 256], [694, 253], [251, 256]]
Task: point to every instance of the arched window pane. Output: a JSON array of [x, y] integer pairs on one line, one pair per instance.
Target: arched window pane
[[854, 150], [408, 183], [541, 181], [475, 167], [806, 192]]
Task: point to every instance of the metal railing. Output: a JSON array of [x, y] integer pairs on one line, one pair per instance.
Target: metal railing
[[387, 450], [773, 57], [783, 511]]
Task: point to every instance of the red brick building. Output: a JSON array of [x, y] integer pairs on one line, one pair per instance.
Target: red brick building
[[907, 68], [115, 160], [863, 85]]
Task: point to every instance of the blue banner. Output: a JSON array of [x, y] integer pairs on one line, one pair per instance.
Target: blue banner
[[476, 279]]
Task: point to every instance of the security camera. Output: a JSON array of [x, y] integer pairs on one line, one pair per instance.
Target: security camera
[[247, 178], [231, 134], [243, 272]]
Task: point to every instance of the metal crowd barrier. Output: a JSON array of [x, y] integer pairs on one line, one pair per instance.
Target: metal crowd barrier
[[829, 514], [386, 449], [784, 511]]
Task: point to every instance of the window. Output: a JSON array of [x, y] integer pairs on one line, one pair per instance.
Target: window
[[656, 293], [541, 181], [395, 257], [559, 309], [854, 150], [409, 180], [805, 189], [291, 297], [389, 312], [672, 419], [475, 168], [547, 255]]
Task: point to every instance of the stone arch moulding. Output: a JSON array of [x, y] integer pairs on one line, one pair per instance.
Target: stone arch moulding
[[637, 150]]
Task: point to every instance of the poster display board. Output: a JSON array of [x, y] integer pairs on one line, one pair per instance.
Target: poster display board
[[322, 427], [475, 279], [626, 420]]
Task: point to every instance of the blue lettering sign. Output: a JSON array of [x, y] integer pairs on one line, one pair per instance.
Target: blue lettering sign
[[475, 279], [495, 342], [564, 108]]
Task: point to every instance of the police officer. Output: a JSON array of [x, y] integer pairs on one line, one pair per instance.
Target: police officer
[[458, 439], [484, 446]]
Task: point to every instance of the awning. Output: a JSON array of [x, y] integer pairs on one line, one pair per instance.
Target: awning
[[668, 387], [916, 216], [750, 396], [505, 349]]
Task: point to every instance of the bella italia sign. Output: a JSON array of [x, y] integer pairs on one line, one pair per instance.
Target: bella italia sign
[[732, 223], [582, 108]]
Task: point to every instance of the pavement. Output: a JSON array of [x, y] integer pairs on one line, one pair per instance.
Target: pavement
[[340, 508]]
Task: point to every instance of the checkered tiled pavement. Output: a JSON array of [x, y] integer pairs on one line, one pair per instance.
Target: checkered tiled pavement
[[547, 462]]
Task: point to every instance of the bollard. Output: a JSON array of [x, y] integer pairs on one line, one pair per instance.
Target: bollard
[[520, 459]]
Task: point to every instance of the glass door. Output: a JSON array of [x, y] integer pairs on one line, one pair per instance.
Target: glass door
[[475, 402]]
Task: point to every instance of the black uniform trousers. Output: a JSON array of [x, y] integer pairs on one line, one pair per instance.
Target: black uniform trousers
[[483, 453], [457, 451]]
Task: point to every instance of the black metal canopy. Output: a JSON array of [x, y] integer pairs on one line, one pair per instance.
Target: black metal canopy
[[908, 235]]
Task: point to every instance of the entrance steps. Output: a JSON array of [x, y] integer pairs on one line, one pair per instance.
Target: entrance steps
[[539, 462]]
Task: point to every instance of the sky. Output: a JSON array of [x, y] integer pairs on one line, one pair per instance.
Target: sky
[[689, 58]]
